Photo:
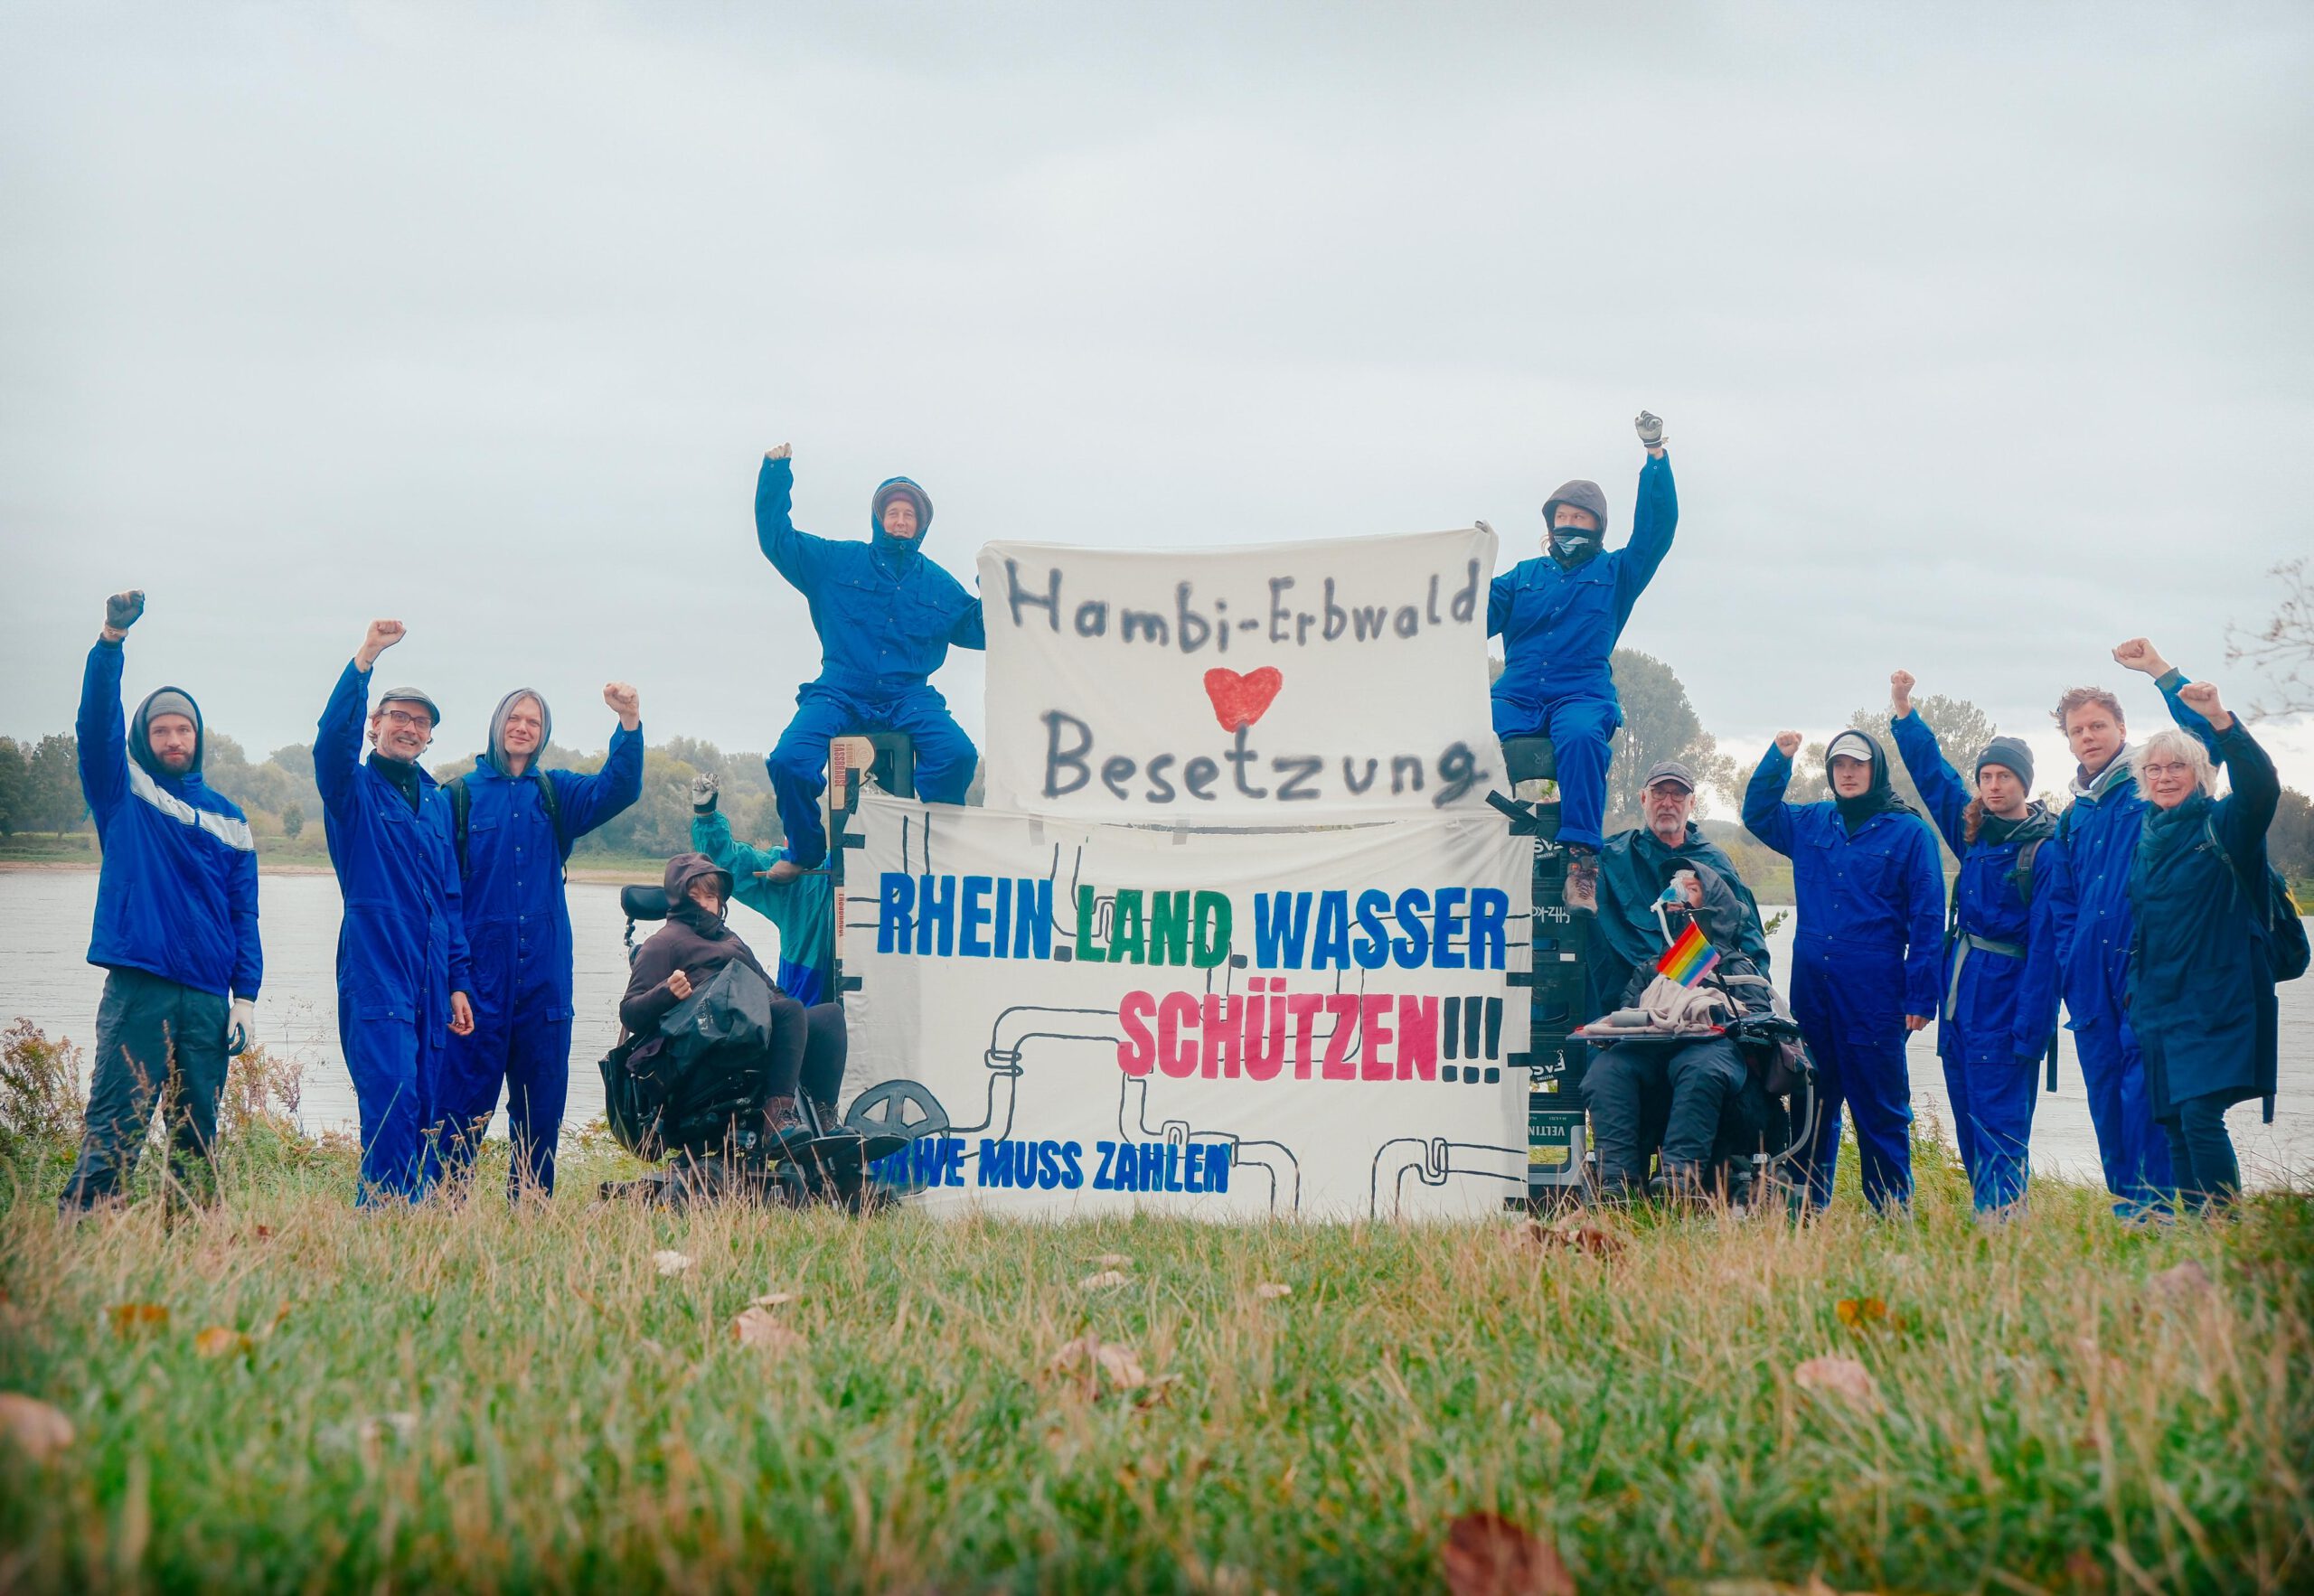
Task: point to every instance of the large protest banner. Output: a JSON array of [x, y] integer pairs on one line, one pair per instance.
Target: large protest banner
[[1282, 684], [1072, 1017]]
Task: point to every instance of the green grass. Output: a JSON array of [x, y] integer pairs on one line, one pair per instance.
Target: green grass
[[2048, 1421]]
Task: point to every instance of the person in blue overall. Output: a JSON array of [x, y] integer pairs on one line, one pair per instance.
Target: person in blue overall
[[512, 827], [1998, 1005], [2202, 977], [1866, 955], [2096, 843], [886, 617], [1558, 616], [176, 928], [403, 972], [800, 908]]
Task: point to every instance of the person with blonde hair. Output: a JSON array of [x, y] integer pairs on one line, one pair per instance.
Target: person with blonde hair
[[2202, 981]]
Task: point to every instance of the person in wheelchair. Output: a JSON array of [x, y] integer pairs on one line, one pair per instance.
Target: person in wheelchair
[[1681, 1085], [685, 956]]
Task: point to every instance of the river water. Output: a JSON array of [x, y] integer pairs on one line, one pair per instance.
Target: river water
[[45, 976]]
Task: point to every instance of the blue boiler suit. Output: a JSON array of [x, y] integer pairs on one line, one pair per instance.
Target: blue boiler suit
[[2096, 847], [518, 929], [401, 947], [1998, 1008], [803, 910], [886, 617], [1871, 909], [1559, 628]]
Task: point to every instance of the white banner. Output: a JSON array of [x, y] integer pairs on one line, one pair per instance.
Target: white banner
[[1284, 684], [1073, 1019]]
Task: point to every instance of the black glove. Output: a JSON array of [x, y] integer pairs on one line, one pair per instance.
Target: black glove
[[703, 788], [1650, 430], [122, 609]]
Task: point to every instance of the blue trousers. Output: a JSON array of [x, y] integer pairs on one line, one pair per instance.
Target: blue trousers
[[1992, 1123], [1868, 1078], [945, 756], [529, 1055], [2134, 1153], [395, 1076], [1580, 731]]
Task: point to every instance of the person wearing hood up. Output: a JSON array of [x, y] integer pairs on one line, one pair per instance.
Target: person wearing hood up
[[1558, 616], [1998, 1006], [800, 908], [175, 925], [1865, 956], [2095, 926], [682, 953], [512, 827], [403, 971], [886, 617]]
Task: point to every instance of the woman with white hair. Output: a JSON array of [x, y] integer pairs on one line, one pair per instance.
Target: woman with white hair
[[2201, 976]]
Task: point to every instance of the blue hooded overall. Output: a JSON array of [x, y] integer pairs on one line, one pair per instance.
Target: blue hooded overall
[[803, 910]]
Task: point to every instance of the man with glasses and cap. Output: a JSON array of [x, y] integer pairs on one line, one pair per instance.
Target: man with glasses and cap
[[1867, 953], [175, 926], [404, 973], [512, 827]]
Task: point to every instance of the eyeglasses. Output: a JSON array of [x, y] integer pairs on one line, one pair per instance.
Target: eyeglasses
[[421, 720], [2169, 769]]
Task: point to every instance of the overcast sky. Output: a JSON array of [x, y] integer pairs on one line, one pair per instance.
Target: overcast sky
[[1983, 333]]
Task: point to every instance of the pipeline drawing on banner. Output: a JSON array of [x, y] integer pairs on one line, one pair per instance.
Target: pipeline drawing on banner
[[1064, 1016], [1279, 685]]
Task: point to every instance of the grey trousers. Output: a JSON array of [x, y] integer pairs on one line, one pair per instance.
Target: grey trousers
[[152, 1035], [1639, 1090]]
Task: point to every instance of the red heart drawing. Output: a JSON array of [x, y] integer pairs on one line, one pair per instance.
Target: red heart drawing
[[1241, 700]]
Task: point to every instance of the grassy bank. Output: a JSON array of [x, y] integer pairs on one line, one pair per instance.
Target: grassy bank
[[463, 1397]]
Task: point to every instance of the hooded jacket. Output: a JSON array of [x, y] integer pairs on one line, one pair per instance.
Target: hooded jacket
[[693, 941], [401, 947], [886, 613], [2089, 897], [1559, 624], [1869, 944], [1995, 1010], [517, 918], [177, 894], [802, 910]]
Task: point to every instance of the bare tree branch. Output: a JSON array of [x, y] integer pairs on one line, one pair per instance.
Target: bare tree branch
[[2283, 648]]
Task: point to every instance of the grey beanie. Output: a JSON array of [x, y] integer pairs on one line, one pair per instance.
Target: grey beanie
[[169, 700], [2012, 754], [1581, 496]]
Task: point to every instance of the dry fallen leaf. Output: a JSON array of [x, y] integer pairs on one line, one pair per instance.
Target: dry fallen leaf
[[129, 1317], [1273, 1290], [1857, 1312], [775, 1300], [1107, 1280], [222, 1342], [1574, 1231], [759, 1327], [672, 1262], [1842, 1376], [2181, 1281], [34, 1427], [1486, 1554], [1090, 1357]]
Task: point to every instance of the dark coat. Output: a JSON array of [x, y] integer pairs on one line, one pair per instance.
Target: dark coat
[[693, 941], [1634, 867], [2200, 985]]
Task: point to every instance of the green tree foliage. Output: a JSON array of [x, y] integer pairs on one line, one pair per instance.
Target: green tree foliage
[[1961, 731], [1659, 724], [2289, 841], [51, 797], [15, 786], [293, 821]]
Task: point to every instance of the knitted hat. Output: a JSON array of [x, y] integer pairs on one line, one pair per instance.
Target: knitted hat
[[2011, 753]]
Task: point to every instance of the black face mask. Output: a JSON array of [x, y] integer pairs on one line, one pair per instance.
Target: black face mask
[[1571, 546]]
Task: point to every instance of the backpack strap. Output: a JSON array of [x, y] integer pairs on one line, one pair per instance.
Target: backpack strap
[[2021, 873], [461, 806]]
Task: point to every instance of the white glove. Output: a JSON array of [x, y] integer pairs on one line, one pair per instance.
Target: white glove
[[704, 788], [1650, 430], [241, 1026]]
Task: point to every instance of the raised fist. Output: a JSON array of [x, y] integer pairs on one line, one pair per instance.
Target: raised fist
[[1900, 692], [2140, 654], [2201, 697], [679, 984], [1651, 430], [624, 702], [1787, 743], [381, 636], [122, 609], [781, 453], [703, 788]]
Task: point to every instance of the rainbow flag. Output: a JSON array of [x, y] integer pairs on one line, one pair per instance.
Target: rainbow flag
[[1689, 960]]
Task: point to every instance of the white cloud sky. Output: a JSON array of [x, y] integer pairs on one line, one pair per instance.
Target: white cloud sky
[[1982, 332]]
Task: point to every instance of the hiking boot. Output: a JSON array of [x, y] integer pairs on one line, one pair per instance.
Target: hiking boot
[[1582, 877]]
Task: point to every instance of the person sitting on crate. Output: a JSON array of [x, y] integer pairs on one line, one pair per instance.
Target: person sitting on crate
[[1558, 615], [800, 908], [737, 1056], [886, 616], [1678, 1083], [1636, 866]]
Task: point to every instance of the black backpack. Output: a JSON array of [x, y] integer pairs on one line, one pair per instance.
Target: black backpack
[[462, 805], [2277, 924]]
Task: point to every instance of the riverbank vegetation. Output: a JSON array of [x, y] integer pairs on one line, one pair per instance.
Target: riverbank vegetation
[[276, 1394]]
